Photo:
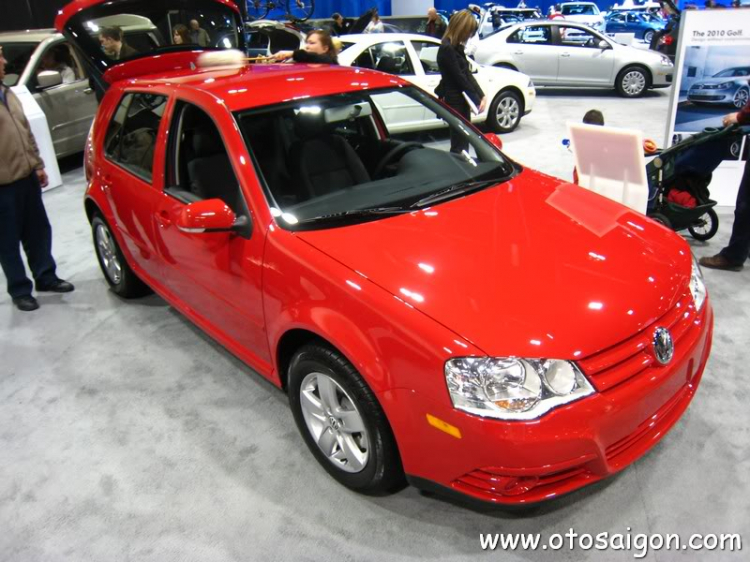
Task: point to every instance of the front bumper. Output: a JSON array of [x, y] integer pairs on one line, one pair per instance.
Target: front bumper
[[662, 76], [516, 463], [722, 97]]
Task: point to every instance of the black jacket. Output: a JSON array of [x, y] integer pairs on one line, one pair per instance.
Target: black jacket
[[435, 28], [300, 55], [456, 76]]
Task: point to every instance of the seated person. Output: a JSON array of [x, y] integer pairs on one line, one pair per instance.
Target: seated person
[[58, 59]]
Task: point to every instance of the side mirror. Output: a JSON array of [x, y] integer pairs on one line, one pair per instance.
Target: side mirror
[[212, 215], [48, 79], [494, 140], [603, 45]]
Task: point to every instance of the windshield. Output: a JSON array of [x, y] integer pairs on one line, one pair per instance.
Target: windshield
[[580, 10], [126, 29], [17, 55], [344, 158], [734, 72]]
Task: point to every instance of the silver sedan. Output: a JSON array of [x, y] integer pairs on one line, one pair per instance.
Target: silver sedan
[[557, 53]]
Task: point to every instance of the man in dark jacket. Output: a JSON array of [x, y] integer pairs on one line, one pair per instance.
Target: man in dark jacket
[[733, 257], [22, 215], [114, 44], [341, 25], [435, 24]]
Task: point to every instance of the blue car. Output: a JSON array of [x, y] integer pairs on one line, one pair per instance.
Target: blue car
[[644, 26]]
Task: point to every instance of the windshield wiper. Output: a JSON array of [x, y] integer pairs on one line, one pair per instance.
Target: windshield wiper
[[456, 189], [357, 213]]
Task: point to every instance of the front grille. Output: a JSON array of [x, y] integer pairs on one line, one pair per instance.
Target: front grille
[[705, 97], [633, 356]]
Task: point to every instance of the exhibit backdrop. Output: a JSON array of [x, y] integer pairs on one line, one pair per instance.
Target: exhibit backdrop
[[712, 77]]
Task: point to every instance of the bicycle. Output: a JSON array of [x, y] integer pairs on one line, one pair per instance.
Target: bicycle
[[295, 10]]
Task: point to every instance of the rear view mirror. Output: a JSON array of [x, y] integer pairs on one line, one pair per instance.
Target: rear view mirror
[[604, 45], [347, 112], [48, 79], [494, 140], [211, 215]]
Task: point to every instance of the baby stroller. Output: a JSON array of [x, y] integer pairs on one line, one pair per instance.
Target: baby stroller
[[685, 170]]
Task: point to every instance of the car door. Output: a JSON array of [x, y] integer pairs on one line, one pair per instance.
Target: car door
[[214, 275], [69, 107], [130, 147], [534, 53], [616, 23], [582, 61], [394, 58]]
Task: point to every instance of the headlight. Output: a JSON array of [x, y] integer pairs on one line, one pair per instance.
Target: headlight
[[665, 61], [511, 388], [725, 85], [697, 286]]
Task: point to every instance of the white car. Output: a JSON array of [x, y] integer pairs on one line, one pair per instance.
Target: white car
[[558, 53], [510, 94], [583, 12]]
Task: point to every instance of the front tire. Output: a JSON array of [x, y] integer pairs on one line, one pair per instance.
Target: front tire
[[740, 98], [342, 422], [705, 227], [505, 112], [121, 279], [633, 81]]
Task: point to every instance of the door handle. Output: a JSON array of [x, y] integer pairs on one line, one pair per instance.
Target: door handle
[[565, 55], [88, 91], [162, 218], [518, 53]]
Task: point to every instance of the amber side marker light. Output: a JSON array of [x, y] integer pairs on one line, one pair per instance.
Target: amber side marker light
[[437, 423]]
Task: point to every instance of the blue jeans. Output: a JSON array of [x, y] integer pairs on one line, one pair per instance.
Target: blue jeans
[[739, 244], [23, 220]]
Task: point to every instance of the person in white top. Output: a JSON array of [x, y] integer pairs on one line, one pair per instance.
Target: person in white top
[[55, 59], [375, 25]]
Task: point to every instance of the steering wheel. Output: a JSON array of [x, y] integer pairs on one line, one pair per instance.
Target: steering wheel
[[392, 154]]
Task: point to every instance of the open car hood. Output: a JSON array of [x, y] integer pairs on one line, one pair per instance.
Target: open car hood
[[147, 27]]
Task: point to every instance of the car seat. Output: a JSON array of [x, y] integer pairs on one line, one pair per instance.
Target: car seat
[[209, 170], [323, 162]]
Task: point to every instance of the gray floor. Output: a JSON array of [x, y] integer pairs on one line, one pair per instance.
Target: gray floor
[[126, 434]]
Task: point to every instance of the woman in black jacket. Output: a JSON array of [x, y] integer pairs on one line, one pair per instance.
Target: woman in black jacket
[[457, 81], [319, 48]]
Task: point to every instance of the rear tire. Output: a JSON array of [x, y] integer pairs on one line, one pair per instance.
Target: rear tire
[[648, 36], [342, 422], [121, 279], [633, 81], [705, 227], [505, 112]]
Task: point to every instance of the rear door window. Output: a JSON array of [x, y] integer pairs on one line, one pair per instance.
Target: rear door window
[[130, 141]]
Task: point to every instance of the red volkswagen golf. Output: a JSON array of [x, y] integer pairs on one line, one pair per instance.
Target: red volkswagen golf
[[451, 319]]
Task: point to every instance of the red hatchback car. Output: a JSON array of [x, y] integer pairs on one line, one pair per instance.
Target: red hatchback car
[[448, 318]]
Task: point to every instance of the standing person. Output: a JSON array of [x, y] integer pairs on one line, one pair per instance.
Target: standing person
[[456, 79], [23, 219], [198, 35], [319, 48], [181, 35], [114, 45], [375, 25], [435, 24], [732, 258], [341, 25]]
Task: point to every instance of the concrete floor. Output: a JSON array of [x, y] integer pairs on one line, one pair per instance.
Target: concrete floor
[[126, 434]]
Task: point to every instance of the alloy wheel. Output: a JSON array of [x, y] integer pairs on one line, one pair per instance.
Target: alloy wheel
[[334, 422], [633, 83], [107, 249], [740, 98], [508, 112]]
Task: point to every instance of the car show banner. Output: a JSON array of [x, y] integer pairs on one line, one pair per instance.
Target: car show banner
[[711, 79]]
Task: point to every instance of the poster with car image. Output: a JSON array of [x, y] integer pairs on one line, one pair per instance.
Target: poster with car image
[[712, 79]]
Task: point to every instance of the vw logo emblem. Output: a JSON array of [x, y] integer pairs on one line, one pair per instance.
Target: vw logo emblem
[[663, 345]]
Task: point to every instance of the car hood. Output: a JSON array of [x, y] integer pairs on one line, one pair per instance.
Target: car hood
[[153, 22], [532, 267], [712, 81]]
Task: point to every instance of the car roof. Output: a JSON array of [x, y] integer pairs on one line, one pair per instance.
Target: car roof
[[257, 85], [384, 37], [27, 36]]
